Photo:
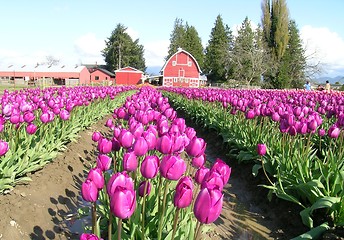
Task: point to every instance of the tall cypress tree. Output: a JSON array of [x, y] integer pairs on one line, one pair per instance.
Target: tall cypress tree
[[177, 38], [193, 44], [121, 50], [275, 22], [217, 63]]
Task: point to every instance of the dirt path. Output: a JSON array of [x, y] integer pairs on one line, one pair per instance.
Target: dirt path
[[43, 208]]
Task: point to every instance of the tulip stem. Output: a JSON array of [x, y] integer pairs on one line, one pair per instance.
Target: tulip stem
[[266, 175], [143, 209], [119, 229], [110, 226], [175, 222], [198, 230], [163, 211], [94, 217]]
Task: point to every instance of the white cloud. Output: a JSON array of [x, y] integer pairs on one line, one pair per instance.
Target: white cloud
[[325, 46], [133, 33], [89, 45], [155, 52]]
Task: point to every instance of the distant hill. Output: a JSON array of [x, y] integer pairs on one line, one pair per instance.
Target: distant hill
[[333, 80]]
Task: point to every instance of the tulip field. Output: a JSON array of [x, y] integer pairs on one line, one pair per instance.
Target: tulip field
[[151, 178]]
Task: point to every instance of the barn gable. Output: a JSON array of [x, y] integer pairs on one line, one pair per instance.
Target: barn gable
[[128, 76]]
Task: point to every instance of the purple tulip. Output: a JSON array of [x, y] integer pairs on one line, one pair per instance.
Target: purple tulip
[[223, 169], [140, 146], [261, 149], [89, 236], [208, 205], [29, 117], [104, 146], [196, 147], [184, 193], [321, 132], [96, 175], [15, 118], [149, 166], [198, 162], [64, 114], [150, 139], [333, 131], [119, 179], [3, 148], [96, 136], [250, 114], [142, 188], [190, 132], [126, 138], [200, 174], [172, 167], [103, 162], [130, 162], [212, 180], [89, 191], [123, 202], [31, 128], [44, 118], [164, 144]]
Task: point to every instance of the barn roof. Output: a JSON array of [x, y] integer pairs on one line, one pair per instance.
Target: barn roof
[[111, 74], [41, 68], [179, 51], [128, 69]]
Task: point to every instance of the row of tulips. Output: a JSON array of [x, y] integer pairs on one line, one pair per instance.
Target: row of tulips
[[301, 131], [36, 124], [150, 180]]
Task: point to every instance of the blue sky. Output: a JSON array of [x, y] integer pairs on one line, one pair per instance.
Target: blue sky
[[74, 31]]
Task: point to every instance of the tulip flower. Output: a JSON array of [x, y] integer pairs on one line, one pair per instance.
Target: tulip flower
[[142, 186], [149, 166], [31, 128], [223, 169], [164, 144], [140, 146], [104, 146], [261, 149], [44, 118], [208, 205], [89, 191], [196, 147], [119, 179], [130, 161], [151, 139], [172, 167], [103, 162], [250, 114], [123, 202], [212, 180], [333, 131], [126, 138], [96, 175], [198, 162], [64, 114], [29, 117], [200, 174], [184, 193], [89, 236], [3, 148], [96, 136]]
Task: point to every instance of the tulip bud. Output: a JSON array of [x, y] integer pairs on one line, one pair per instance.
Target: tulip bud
[[223, 169], [96, 136], [321, 132], [200, 174], [172, 167], [126, 138], [64, 114], [103, 162], [150, 139], [140, 146], [184, 193], [250, 114], [261, 149], [333, 131], [208, 205], [123, 202], [142, 188], [149, 166], [89, 191], [31, 128], [119, 179], [164, 144], [104, 146], [44, 118], [89, 236], [3, 148], [96, 175], [196, 147], [198, 162], [130, 162]]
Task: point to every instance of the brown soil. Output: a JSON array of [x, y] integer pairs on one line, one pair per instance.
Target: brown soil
[[44, 208]]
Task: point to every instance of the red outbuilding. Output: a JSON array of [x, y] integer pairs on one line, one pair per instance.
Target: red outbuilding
[[128, 76], [101, 75], [182, 70]]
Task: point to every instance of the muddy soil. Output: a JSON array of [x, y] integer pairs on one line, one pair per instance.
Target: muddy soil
[[44, 208]]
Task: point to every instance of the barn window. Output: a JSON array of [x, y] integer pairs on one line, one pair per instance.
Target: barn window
[[175, 80], [96, 77], [186, 80], [189, 63], [174, 63]]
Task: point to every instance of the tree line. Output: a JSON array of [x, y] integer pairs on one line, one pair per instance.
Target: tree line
[[270, 55]]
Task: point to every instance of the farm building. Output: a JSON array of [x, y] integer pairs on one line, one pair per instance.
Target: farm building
[[101, 75], [44, 74], [129, 76], [182, 70]]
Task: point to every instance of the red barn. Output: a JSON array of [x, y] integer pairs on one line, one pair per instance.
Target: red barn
[[182, 70], [100, 75], [128, 76]]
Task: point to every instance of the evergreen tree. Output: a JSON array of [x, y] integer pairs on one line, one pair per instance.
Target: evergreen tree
[[193, 44], [217, 63], [177, 38], [121, 51], [275, 22], [247, 54]]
